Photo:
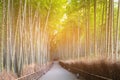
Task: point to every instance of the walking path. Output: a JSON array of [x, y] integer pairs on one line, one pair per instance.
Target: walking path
[[58, 73]]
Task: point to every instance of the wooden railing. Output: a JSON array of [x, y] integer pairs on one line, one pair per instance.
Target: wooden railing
[[38, 74], [82, 72]]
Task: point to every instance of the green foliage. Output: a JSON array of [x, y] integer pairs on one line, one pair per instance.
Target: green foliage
[[54, 6]]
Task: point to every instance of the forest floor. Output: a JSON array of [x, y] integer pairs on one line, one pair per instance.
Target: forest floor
[[58, 73]]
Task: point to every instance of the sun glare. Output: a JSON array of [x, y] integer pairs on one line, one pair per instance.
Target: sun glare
[[63, 18], [115, 0], [55, 32]]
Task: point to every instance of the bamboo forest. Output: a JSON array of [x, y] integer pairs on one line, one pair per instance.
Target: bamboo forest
[[59, 39]]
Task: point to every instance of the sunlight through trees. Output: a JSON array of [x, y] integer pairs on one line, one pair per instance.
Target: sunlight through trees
[[39, 31]]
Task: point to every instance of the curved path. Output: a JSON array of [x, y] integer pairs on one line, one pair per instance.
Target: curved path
[[58, 73]]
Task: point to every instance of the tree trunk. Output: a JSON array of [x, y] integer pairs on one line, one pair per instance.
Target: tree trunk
[[95, 46], [117, 32]]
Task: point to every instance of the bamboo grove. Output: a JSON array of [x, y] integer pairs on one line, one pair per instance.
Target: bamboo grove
[[23, 38], [37, 31], [91, 30]]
